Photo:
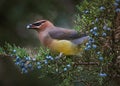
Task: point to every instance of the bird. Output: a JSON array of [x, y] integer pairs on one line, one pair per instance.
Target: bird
[[58, 39]]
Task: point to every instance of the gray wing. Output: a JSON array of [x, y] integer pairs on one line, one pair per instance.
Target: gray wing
[[80, 40], [61, 33]]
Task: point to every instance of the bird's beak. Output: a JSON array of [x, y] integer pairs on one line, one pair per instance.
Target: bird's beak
[[31, 26]]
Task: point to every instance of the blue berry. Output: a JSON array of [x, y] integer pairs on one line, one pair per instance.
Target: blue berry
[[96, 34], [39, 67], [11, 55], [27, 58], [102, 74], [95, 28], [117, 1], [45, 61], [102, 8], [56, 70], [98, 53], [90, 39], [49, 57], [38, 63], [87, 44], [65, 69], [105, 27], [96, 19], [17, 63], [34, 59], [91, 30], [24, 70], [93, 23], [18, 59], [94, 46], [101, 58], [116, 4], [117, 10], [22, 65], [104, 34], [86, 11], [86, 48], [108, 28], [68, 65], [29, 65], [14, 51]]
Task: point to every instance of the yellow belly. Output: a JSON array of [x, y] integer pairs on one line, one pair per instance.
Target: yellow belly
[[65, 47]]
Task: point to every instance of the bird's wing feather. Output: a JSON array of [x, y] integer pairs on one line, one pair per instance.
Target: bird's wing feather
[[80, 40], [61, 33]]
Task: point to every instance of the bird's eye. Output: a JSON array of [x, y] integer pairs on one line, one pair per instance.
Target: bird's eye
[[38, 23]]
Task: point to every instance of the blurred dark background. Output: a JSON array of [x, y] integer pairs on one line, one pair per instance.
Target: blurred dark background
[[14, 16]]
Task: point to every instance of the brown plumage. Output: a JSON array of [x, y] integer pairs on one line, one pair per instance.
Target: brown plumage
[[58, 39]]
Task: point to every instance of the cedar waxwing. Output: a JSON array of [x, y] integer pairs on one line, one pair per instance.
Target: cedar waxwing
[[57, 39]]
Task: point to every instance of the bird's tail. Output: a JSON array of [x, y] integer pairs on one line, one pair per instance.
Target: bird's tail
[[81, 40]]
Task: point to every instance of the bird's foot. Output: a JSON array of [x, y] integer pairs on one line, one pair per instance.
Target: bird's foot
[[59, 56]]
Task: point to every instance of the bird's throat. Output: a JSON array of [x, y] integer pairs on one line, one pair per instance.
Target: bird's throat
[[45, 39]]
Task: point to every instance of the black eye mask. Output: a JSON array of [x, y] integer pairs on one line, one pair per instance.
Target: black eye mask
[[38, 23]]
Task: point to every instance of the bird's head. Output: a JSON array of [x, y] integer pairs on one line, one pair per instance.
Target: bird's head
[[40, 25]]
